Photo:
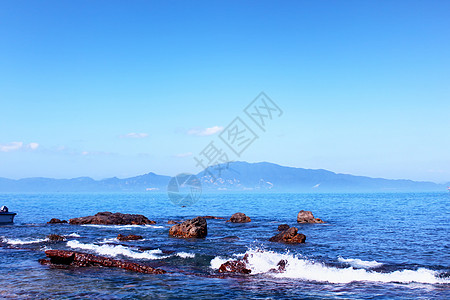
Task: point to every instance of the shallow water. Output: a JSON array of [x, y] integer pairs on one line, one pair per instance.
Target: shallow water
[[373, 246]]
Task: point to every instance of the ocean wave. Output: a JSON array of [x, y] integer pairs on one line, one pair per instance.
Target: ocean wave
[[185, 255], [74, 234], [124, 227], [358, 263], [115, 250], [263, 261], [23, 242]]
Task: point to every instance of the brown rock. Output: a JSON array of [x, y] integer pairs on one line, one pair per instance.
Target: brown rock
[[108, 218], [194, 228], [283, 227], [130, 237], [305, 216], [239, 218], [289, 236], [55, 238], [172, 222], [212, 217], [56, 221], [78, 259], [235, 266]]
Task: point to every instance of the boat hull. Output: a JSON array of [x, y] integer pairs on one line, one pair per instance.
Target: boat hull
[[7, 218]]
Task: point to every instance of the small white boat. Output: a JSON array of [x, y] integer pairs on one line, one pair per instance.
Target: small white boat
[[6, 217]]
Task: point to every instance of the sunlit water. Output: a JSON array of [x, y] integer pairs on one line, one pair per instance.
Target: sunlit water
[[373, 246]]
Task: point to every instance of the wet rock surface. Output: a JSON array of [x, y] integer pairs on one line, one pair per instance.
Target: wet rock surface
[[130, 237], [194, 228], [289, 236], [283, 227], [305, 216], [108, 218], [56, 221], [235, 266], [239, 218], [78, 259], [55, 238]]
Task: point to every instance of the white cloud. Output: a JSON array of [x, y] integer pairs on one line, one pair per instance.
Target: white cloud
[[33, 146], [134, 135], [181, 155], [14, 146], [205, 131]]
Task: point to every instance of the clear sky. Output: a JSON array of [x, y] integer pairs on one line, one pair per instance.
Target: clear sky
[[122, 88]]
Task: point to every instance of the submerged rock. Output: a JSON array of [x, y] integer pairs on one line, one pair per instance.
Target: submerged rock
[[213, 218], [283, 227], [239, 218], [194, 228], [289, 236], [130, 237], [78, 259], [172, 222], [305, 216], [56, 221], [108, 218], [56, 238]]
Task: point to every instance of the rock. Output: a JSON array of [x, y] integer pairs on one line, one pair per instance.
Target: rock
[[212, 217], [108, 218], [56, 221], [281, 267], [78, 259], [194, 228], [305, 216], [235, 266], [130, 237], [283, 227], [289, 236], [172, 222], [56, 238], [239, 218]]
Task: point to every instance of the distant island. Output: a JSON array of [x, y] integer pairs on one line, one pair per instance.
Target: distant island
[[231, 177]]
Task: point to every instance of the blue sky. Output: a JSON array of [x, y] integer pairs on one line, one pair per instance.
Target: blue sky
[[108, 88]]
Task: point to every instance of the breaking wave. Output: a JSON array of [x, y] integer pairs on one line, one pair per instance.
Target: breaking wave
[[264, 261], [185, 255], [22, 242], [358, 263], [115, 250]]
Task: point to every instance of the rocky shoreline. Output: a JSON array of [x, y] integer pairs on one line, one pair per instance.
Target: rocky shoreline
[[196, 228]]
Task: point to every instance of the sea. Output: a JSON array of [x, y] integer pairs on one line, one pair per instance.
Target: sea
[[372, 246]]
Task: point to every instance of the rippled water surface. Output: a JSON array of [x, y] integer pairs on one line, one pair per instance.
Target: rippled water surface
[[373, 246]]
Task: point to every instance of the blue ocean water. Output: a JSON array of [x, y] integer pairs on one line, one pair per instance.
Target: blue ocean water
[[372, 246]]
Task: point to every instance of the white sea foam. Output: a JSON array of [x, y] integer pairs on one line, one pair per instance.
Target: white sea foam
[[124, 227], [185, 255], [23, 242], [115, 250], [73, 235], [358, 263], [262, 261], [217, 261]]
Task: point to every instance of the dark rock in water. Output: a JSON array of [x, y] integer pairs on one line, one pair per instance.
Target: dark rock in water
[[239, 218], [172, 222], [56, 238], [56, 221], [281, 267], [78, 259], [194, 228], [305, 216], [108, 218], [235, 266], [130, 237], [289, 236], [283, 227], [212, 217], [230, 238]]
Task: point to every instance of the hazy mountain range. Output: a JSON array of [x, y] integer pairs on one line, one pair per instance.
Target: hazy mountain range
[[235, 176]]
